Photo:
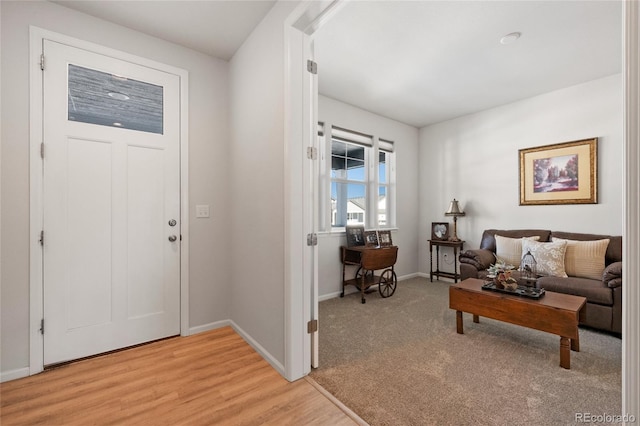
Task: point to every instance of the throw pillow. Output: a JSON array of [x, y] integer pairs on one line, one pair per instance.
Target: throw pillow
[[585, 259], [509, 250], [549, 256]]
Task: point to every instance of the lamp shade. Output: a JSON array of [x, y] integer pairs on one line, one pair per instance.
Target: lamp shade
[[454, 209]]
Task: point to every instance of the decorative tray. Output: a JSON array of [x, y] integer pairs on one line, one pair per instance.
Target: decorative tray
[[529, 292]]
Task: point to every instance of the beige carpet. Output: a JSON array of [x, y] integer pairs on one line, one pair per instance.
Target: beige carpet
[[399, 361]]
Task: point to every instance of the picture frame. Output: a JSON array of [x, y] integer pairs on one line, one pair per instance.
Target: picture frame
[[371, 238], [384, 238], [355, 235], [439, 231], [563, 173]]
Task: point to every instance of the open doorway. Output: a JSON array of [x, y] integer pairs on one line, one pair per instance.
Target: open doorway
[[626, 233]]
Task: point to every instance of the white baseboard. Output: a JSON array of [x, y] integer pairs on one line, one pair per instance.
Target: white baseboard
[[335, 294], [208, 327], [351, 289], [259, 348], [441, 279], [409, 276], [18, 373]]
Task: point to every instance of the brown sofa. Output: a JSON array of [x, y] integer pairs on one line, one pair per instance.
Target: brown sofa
[[604, 297]]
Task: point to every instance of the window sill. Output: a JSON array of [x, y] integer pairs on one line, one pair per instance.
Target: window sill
[[342, 233]]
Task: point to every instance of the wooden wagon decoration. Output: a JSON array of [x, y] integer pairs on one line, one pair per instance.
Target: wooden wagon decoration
[[369, 260]]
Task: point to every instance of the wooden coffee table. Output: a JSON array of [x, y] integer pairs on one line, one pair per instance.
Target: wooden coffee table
[[554, 313]]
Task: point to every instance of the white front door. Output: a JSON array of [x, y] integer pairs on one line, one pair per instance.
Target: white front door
[[111, 194]]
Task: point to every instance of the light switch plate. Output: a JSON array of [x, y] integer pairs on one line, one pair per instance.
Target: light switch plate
[[202, 210]]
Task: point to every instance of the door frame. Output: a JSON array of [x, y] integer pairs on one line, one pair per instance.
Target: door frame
[[36, 204], [300, 132], [631, 209], [297, 343]]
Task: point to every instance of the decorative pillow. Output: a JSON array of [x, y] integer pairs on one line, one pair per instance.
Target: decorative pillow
[[509, 250], [549, 256], [585, 259]]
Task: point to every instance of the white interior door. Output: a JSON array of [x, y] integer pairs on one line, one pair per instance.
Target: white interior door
[[111, 194]]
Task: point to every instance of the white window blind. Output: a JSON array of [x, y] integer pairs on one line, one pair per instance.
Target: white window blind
[[385, 145], [350, 136]]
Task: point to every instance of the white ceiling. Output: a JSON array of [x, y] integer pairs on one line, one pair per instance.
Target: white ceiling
[[214, 27], [429, 61], [419, 62]]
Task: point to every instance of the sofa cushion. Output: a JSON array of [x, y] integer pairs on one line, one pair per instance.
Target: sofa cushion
[[488, 241], [585, 259], [614, 250], [595, 291], [509, 250], [549, 256]]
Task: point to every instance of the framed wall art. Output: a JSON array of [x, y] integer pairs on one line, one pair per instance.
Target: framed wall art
[[563, 173], [384, 238], [439, 231]]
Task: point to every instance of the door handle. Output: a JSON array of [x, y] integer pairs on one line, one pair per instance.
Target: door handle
[[172, 238]]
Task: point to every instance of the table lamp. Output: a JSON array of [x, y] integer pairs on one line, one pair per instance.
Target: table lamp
[[454, 210]]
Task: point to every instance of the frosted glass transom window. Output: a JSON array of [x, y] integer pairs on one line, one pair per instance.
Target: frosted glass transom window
[[105, 99]]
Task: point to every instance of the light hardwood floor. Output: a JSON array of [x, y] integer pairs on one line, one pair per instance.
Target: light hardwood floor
[[212, 378]]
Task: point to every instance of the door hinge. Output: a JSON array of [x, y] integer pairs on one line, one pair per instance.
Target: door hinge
[[312, 326], [41, 238], [42, 326], [312, 153], [42, 150], [42, 61], [312, 67], [312, 239]]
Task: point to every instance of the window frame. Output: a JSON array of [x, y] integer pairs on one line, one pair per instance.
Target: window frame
[[388, 148], [371, 181]]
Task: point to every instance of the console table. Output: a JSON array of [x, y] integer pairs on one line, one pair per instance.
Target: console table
[[456, 246]]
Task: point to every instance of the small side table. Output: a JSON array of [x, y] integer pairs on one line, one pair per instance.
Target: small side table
[[456, 246]]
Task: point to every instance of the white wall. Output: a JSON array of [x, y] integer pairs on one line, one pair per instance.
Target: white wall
[[475, 159], [257, 185], [208, 166], [405, 236]]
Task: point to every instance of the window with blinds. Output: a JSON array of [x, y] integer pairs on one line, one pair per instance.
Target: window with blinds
[[356, 181]]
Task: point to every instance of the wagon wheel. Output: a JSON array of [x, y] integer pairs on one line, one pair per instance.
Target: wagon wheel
[[387, 283]]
